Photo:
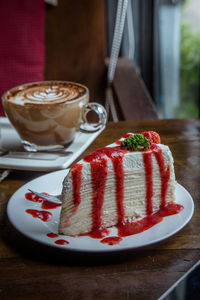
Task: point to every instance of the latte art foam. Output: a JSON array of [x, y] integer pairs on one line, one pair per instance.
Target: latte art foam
[[52, 94], [46, 92]]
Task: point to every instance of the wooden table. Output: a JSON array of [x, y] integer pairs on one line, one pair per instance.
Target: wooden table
[[29, 270]]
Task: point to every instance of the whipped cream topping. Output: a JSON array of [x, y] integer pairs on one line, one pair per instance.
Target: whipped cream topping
[[46, 92]]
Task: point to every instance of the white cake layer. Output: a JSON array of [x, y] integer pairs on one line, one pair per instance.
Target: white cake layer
[[134, 193]]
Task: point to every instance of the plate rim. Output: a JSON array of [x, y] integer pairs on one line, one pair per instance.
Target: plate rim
[[125, 248]]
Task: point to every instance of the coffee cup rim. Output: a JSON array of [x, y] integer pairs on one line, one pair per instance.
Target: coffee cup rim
[[48, 81]]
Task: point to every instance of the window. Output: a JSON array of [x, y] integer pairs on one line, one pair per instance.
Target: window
[[165, 38], [178, 62]]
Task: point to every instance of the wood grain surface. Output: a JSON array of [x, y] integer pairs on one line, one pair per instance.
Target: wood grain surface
[[29, 270]]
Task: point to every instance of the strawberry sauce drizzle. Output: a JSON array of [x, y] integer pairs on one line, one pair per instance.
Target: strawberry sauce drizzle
[[148, 166], [164, 173], [112, 240], [52, 235], [45, 204], [43, 215], [127, 135], [130, 228], [119, 185], [76, 172], [61, 242], [99, 174], [99, 171], [118, 142]]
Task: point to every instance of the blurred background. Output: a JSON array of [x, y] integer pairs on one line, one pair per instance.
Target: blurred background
[[166, 51], [71, 40]]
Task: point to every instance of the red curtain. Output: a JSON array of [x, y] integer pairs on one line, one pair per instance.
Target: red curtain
[[22, 43]]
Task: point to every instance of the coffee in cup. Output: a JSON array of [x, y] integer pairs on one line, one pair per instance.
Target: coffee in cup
[[47, 114]]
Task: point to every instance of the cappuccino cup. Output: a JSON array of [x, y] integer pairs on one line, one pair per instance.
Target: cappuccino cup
[[47, 114]]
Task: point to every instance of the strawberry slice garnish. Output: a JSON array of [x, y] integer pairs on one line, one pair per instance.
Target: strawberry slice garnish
[[152, 136]]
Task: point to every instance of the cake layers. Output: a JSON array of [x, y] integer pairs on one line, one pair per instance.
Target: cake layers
[[113, 186]]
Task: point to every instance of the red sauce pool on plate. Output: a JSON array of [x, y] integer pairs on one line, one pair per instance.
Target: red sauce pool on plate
[[45, 204], [139, 226], [52, 235], [49, 205], [61, 242], [112, 240], [43, 215]]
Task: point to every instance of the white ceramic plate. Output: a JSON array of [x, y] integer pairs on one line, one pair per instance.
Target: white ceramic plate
[[51, 183]]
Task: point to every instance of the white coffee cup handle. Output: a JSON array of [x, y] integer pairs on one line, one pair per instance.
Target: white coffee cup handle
[[101, 113]]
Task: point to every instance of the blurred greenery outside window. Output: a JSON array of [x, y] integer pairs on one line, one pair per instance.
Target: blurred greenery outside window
[[178, 58], [189, 68], [166, 51]]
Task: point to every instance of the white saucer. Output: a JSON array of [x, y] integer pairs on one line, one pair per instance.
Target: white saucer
[[52, 183], [40, 161]]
